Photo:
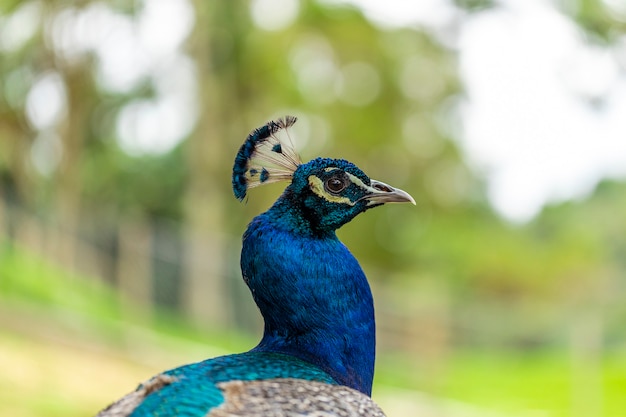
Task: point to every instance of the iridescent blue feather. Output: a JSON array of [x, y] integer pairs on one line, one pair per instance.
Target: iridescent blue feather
[[318, 347], [194, 390]]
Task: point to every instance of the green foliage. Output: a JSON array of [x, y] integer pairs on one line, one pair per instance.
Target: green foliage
[[26, 278], [597, 18], [382, 98], [27, 281], [152, 184], [493, 381], [474, 5], [535, 382]]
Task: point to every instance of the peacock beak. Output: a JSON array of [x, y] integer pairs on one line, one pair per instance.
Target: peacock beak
[[383, 193]]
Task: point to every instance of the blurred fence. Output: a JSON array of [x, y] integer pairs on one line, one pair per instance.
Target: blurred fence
[[159, 264], [147, 262]]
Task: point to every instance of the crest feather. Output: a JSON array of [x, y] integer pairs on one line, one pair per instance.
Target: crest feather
[[267, 156]]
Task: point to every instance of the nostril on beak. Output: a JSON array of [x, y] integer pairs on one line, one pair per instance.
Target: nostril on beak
[[382, 187]]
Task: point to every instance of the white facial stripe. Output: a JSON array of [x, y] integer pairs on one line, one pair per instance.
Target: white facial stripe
[[364, 186], [356, 181]]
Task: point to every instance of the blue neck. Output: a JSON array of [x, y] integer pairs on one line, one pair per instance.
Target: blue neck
[[313, 295]]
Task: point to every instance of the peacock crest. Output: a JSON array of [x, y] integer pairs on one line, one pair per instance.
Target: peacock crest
[[313, 359], [267, 156]]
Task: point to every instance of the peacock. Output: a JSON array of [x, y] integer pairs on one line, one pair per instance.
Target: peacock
[[316, 356]]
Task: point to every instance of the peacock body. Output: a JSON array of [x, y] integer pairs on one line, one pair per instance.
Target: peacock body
[[317, 353]]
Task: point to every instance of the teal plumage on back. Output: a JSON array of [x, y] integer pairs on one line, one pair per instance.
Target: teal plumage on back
[[192, 390], [318, 347]]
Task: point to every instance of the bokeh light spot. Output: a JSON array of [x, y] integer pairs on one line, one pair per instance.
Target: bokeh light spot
[[274, 15], [46, 152], [313, 62], [359, 85], [148, 127], [420, 79], [46, 101], [20, 26], [420, 137], [156, 16]]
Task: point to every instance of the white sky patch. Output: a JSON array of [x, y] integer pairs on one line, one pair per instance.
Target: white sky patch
[[46, 101], [617, 7], [164, 25], [148, 127], [123, 61], [20, 26], [391, 13], [544, 118], [273, 15], [151, 127], [130, 51], [530, 121]]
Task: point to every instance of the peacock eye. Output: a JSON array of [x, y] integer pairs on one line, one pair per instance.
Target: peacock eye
[[335, 185]]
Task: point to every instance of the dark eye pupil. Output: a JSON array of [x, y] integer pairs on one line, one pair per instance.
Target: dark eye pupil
[[335, 185]]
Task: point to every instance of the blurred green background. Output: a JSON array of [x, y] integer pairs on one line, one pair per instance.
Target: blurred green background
[[120, 237]]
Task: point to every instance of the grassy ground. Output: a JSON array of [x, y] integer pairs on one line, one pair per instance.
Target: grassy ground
[[67, 348], [43, 378]]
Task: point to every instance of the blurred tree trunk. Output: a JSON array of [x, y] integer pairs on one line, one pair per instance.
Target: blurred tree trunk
[[74, 133], [134, 270], [214, 46], [16, 181], [14, 147]]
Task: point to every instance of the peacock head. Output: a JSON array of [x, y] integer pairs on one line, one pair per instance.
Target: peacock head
[[327, 192]]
